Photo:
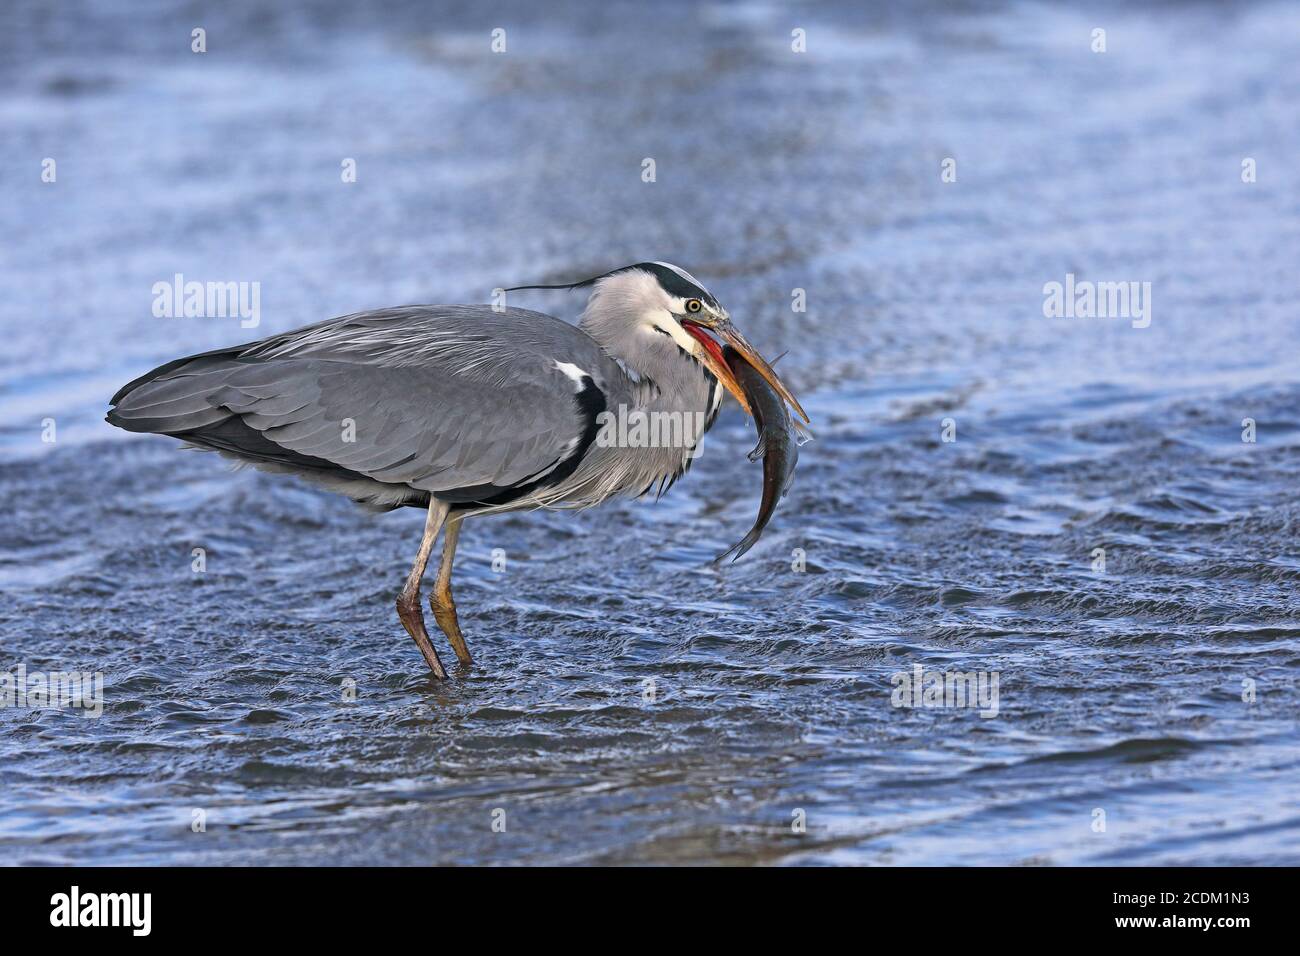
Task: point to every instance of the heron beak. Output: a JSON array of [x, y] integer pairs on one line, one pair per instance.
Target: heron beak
[[718, 366]]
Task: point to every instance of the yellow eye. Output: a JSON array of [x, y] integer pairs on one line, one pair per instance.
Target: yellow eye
[[694, 305]]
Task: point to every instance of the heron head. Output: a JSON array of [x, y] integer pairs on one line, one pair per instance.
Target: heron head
[[630, 308]]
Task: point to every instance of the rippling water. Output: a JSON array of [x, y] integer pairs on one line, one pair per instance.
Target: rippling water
[[1120, 690]]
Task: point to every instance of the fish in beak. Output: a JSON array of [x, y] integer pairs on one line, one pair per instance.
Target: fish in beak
[[716, 364]]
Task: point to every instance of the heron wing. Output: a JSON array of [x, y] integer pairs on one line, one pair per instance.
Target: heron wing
[[463, 402]]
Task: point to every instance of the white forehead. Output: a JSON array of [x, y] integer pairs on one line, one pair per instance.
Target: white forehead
[[634, 288], [683, 273], [650, 285]]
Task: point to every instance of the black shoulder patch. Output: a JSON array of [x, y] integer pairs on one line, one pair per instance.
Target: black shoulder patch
[[591, 402]]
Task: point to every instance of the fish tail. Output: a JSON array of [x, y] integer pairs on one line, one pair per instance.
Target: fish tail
[[739, 549]]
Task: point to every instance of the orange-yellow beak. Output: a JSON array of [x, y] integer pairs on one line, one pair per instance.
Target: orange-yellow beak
[[718, 365]]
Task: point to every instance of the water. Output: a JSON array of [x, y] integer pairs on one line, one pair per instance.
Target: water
[[1120, 691]]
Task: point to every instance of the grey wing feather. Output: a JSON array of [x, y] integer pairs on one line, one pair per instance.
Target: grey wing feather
[[435, 398]]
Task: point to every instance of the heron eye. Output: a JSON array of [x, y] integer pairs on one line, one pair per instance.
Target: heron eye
[[694, 305]]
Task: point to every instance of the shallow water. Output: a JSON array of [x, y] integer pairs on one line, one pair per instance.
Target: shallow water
[[1120, 691]]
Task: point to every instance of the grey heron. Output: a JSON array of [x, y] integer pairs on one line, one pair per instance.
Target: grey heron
[[464, 410]]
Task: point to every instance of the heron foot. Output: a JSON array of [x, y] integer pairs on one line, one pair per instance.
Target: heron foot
[[412, 618], [444, 612]]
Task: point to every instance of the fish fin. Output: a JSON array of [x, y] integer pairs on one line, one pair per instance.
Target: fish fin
[[760, 449]]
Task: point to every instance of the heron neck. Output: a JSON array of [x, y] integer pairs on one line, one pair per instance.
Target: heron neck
[[663, 377]]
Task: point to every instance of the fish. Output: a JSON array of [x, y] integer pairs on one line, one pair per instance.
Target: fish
[[779, 438]]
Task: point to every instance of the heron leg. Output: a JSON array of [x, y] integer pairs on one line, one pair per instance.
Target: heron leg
[[408, 601], [444, 608]]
